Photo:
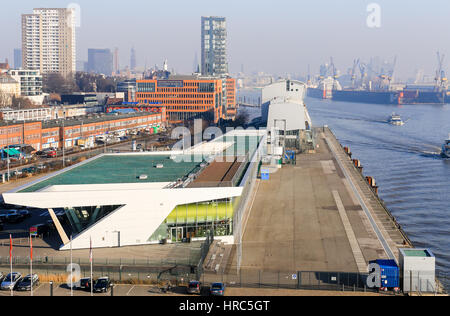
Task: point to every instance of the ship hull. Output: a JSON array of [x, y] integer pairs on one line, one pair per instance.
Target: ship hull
[[366, 96], [424, 97], [318, 93]]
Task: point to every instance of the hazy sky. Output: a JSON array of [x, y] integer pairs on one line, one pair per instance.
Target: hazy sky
[[276, 36]]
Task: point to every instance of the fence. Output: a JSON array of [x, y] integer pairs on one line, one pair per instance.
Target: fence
[[106, 262], [247, 183], [308, 280], [204, 252]]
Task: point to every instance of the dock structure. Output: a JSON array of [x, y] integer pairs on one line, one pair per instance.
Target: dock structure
[[318, 215]]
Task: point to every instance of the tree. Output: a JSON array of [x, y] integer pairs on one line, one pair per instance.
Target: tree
[[22, 103], [5, 99], [56, 83]]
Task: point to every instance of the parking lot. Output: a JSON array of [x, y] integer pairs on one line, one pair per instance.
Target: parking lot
[[44, 289]]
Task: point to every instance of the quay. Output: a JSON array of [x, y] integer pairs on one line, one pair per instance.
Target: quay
[[318, 215]]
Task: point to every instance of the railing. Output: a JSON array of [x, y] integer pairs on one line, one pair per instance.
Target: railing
[[203, 253], [111, 262], [376, 197]]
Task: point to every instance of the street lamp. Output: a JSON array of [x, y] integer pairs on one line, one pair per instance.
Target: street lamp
[[64, 140]]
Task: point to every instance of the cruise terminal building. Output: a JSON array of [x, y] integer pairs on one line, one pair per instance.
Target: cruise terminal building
[[151, 197]]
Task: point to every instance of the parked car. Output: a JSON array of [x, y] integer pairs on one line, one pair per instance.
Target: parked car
[[85, 284], [27, 282], [51, 154], [2, 276], [41, 167], [29, 170], [194, 287], [102, 285], [50, 224], [11, 280], [3, 218], [217, 289], [25, 213], [13, 216], [16, 173]]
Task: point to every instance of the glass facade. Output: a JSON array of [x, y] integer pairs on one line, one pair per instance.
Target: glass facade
[[81, 218], [195, 220]]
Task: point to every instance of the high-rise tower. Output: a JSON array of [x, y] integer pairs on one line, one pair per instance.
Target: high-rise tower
[[48, 41], [214, 50]]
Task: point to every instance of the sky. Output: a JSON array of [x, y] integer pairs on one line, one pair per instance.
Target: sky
[[274, 36]]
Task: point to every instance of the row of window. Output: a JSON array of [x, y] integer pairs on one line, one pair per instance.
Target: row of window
[[112, 125]]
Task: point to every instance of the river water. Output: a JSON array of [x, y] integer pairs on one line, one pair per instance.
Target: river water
[[405, 161]]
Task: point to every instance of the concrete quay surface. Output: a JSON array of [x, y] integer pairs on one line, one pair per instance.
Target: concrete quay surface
[[318, 215]]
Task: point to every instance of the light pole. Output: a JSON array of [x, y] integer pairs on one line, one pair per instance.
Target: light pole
[[7, 146], [64, 139]]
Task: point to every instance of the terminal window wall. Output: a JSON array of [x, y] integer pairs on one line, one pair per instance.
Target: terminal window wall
[[195, 220], [81, 218]]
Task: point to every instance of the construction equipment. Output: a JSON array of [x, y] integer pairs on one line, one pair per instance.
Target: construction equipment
[[353, 73], [441, 79]]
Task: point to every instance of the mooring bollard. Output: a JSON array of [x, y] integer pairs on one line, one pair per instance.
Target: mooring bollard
[[112, 289], [51, 288]]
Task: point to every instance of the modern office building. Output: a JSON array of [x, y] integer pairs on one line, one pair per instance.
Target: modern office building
[[128, 87], [48, 41], [231, 109], [17, 58], [213, 46], [185, 97], [30, 84], [100, 61]]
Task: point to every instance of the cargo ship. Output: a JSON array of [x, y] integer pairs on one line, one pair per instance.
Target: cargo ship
[[317, 93], [423, 97], [363, 96]]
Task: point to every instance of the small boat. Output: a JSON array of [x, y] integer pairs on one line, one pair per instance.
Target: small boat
[[446, 148], [395, 119]]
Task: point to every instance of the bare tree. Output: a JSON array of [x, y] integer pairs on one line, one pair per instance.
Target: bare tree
[[22, 103], [5, 99]]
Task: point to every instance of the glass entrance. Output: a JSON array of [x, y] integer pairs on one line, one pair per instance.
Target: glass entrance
[[176, 234]]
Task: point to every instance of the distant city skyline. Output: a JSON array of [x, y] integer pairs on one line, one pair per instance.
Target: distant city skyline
[[265, 35]]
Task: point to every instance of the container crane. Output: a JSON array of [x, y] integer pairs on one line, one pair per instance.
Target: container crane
[[440, 79], [363, 71], [353, 73]]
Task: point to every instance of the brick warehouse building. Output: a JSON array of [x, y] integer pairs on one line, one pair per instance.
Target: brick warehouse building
[[45, 134], [189, 97]]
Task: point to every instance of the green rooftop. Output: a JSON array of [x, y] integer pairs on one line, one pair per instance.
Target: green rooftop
[[123, 169]]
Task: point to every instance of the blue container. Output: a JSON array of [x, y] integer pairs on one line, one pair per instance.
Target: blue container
[[390, 273], [265, 174]]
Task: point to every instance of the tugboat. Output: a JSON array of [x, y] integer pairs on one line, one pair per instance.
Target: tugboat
[[446, 148], [395, 119]]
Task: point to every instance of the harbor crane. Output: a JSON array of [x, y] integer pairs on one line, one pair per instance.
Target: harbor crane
[[441, 79], [363, 71], [391, 72], [353, 73], [335, 74]]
